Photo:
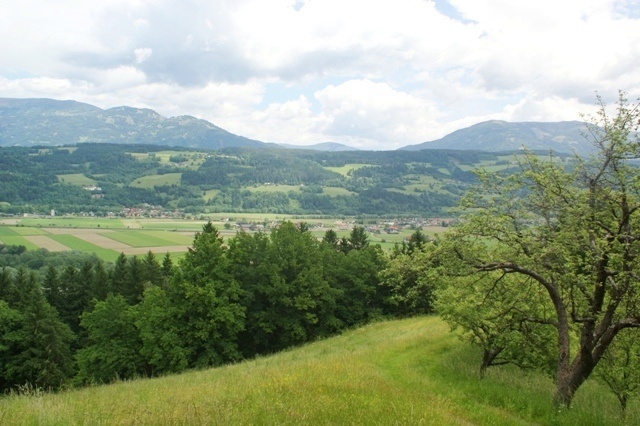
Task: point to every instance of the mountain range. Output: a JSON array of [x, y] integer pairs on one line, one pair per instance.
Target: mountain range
[[25, 122], [29, 122]]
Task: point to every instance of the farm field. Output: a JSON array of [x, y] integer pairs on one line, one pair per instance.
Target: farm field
[[344, 170], [192, 159], [149, 181], [107, 238]]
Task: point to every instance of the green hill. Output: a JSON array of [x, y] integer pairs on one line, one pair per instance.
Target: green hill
[[399, 372], [495, 135]]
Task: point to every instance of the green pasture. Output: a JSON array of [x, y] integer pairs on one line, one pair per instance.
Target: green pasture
[[7, 231], [488, 165], [75, 243], [14, 239], [10, 237], [210, 194], [27, 231], [344, 170], [403, 372], [194, 158], [76, 179], [139, 238], [149, 181]]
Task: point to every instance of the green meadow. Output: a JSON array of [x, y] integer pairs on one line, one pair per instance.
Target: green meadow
[[210, 194], [403, 372], [344, 170], [149, 181], [75, 243], [9, 236], [194, 159], [76, 179]]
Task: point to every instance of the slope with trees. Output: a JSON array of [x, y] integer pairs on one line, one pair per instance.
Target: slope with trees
[[555, 249]]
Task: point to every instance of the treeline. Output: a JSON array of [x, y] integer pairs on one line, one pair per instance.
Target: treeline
[[223, 302]]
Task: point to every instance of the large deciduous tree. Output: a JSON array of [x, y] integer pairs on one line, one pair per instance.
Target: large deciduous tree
[[571, 230]]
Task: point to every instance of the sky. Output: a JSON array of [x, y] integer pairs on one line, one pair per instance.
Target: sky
[[371, 74]]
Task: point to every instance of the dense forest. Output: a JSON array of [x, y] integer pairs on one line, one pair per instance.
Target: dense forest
[[74, 320], [101, 178]]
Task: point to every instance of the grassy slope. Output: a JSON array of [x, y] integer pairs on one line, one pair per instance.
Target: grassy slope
[[400, 372]]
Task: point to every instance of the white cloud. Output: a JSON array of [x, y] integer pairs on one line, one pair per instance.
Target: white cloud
[[373, 74], [374, 114], [142, 54]]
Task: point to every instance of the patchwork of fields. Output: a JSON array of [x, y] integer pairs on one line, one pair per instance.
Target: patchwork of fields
[[108, 237]]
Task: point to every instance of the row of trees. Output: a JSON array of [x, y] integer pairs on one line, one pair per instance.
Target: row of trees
[[255, 294]]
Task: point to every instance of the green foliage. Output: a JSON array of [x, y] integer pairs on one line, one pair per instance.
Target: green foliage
[[557, 248], [620, 367], [10, 339], [204, 310], [162, 344], [114, 345], [291, 302], [410, 279], [37, 347]]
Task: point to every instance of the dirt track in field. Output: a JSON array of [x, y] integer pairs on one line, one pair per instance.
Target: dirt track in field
[[45, 242]]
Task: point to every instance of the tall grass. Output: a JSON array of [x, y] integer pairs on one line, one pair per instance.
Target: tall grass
[[400, 372]]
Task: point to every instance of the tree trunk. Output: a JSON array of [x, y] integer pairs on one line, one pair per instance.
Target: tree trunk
[[488, 356], [570, 379], [623, 403]]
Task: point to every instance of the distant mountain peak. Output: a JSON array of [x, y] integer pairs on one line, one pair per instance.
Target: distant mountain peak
[[498, 135], [52, 122]]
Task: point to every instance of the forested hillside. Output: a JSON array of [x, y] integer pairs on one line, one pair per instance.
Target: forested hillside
[[102, 178], [74, 319]]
